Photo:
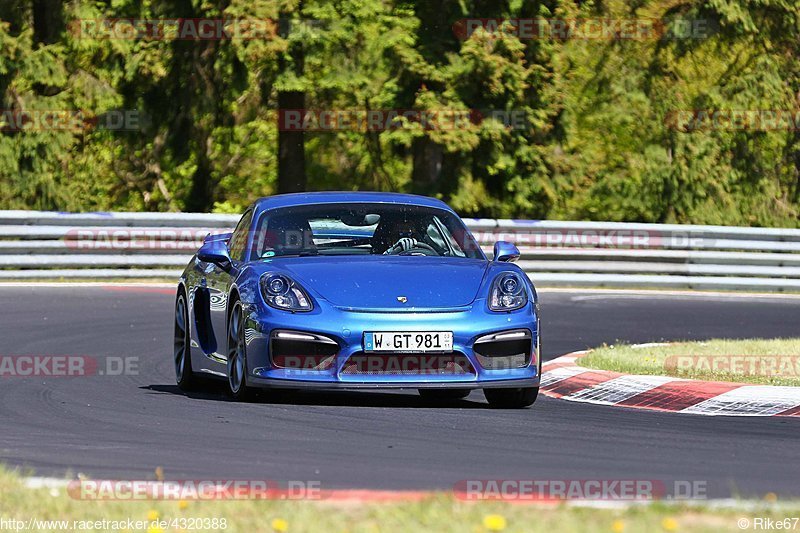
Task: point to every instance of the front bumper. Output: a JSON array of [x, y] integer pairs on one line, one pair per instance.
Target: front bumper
[[347, 327]]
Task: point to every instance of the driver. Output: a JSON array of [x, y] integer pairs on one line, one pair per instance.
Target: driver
[[406, 241]]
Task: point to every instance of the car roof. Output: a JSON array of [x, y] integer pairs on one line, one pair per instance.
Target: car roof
[[311, 198]]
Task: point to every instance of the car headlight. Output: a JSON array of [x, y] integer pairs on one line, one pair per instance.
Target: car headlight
[[281, 292], [507, 293]]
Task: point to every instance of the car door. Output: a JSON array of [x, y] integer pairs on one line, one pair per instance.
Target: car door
[[219, 280]]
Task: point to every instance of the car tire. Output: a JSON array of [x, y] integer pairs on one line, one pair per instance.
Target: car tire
[[238, 388], [444, 394], [511, 398], [182, 352]]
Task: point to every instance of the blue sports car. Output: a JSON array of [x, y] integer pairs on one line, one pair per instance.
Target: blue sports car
[[357, 291]]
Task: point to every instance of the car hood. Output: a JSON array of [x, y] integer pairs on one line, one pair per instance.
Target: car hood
[[380, 282]]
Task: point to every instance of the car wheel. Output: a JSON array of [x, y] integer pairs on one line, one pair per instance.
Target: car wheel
[[444, 394], [237, 356], [511, 398], [182, 351]]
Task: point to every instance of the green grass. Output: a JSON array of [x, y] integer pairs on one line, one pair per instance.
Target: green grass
[[440, 513], [768, 361]]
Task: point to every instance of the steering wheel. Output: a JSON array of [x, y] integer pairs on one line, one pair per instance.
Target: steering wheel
[[420, 249]]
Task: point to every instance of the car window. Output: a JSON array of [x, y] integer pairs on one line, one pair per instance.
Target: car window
[[363, 229], [442, 236], [238, 241]]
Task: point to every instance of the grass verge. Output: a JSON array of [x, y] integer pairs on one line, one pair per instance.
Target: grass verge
[[757, 361], [439, 513]]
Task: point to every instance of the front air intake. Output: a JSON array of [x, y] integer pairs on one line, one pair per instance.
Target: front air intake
[[504, 350], [301, 351]]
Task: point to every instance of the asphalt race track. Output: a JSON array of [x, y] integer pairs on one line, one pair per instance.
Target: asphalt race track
[[126, 426]]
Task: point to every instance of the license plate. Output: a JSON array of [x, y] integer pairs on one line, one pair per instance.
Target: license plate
[[408, 341]]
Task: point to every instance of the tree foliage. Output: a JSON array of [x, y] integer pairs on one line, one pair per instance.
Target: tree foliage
[[568, 128]]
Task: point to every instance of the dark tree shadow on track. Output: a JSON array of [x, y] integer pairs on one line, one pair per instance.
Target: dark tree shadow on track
[[408, 399]]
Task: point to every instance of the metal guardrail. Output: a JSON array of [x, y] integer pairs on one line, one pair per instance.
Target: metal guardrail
[[48, 245]]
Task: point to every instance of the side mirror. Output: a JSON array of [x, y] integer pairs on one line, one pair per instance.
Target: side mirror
[[215, 250], [505, 252]]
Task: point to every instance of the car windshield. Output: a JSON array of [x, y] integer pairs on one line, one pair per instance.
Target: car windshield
[[363, 229]]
